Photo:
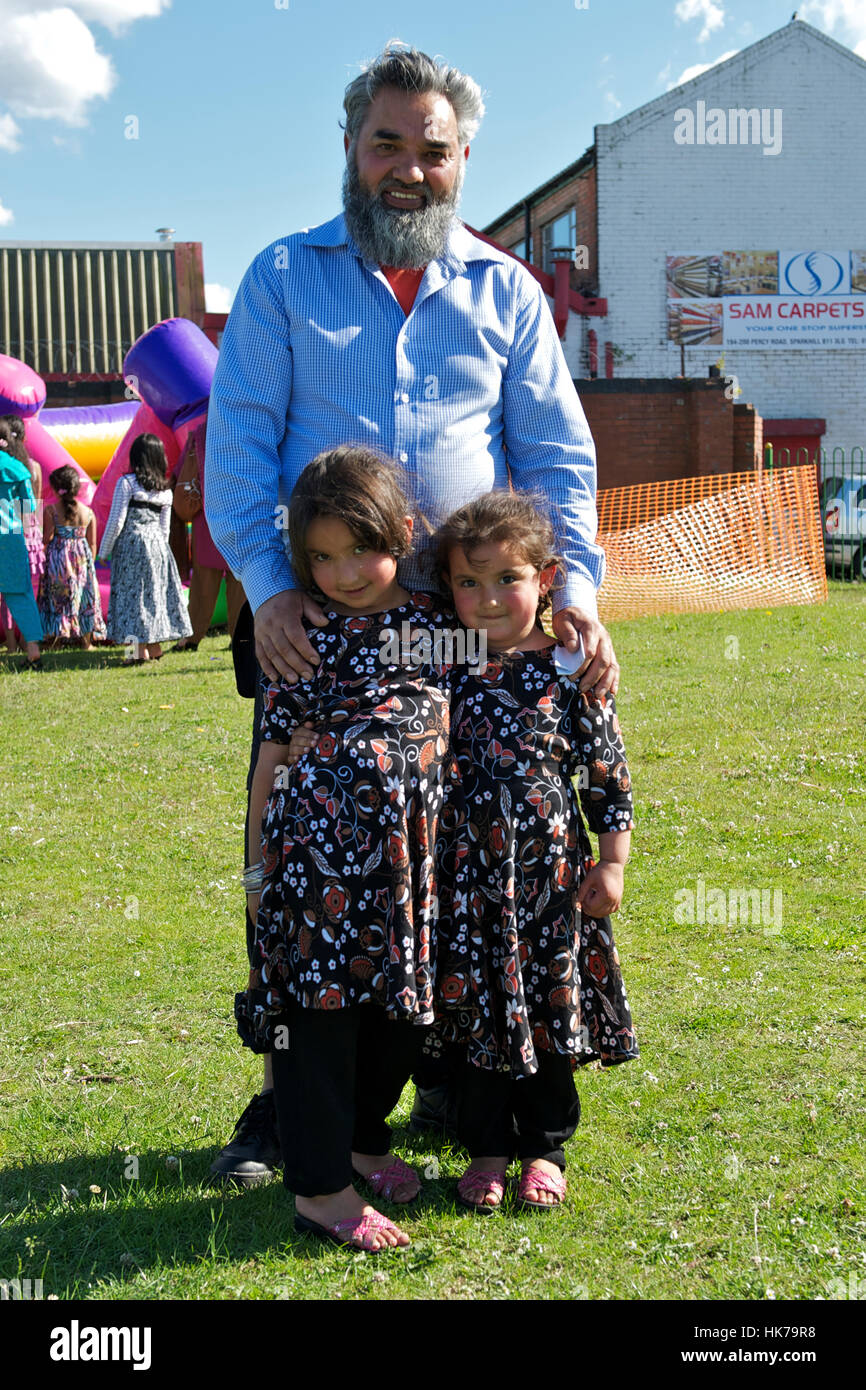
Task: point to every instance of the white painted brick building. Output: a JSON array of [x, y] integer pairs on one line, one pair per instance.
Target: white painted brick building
[[657, 197]]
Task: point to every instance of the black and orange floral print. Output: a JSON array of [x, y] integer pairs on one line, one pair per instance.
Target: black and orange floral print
[[349, 902], [520, 968]]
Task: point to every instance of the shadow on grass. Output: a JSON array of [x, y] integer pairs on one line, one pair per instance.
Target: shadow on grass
[[165, 1219], [102, 657]]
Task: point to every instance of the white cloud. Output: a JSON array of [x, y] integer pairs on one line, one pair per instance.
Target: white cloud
[[688, 73], [218, 298], [712, 15], [9, 133], [50, 65], [612, 101], [117, 14], [849, 15], [6, 216]]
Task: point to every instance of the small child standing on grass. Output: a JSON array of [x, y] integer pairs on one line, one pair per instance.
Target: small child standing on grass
[[69, 602], [146, 604], [527, 966], [14, 438], [17, 506], [344, 895]]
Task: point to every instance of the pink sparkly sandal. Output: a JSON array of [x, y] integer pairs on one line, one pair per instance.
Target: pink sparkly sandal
[[365, 1227], [384, 1181], [535, 1180], [475, 1185]]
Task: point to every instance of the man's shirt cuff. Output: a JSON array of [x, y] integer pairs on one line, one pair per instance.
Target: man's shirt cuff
[[577, 593], [261, 584]]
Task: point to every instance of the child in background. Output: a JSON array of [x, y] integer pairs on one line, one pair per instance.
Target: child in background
[[16, 499], [146, 605], [69, 602], [343, 960], [12, 427], [526, 964]]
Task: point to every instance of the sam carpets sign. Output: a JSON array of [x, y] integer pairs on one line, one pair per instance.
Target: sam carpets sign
[[767, 299]]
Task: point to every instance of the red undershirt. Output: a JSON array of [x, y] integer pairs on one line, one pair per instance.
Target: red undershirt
[[404, 283]]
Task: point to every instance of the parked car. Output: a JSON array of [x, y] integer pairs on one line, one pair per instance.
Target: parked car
[[844, 512]]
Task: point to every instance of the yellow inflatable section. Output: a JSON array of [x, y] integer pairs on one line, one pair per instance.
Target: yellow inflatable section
[[90, 433]]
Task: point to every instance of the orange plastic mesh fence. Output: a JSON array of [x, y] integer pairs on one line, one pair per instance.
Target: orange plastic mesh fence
[[734, 540]]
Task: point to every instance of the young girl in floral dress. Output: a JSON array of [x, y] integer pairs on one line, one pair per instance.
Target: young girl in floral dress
[[342, 976], [69, 602], [527, 967]]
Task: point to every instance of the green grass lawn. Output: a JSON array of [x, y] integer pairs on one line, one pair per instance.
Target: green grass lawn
[[725, 1163]]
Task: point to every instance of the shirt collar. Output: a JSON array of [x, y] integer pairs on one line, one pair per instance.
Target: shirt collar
[[461, 246]]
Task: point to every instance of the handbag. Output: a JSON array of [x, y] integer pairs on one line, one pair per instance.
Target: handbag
[[187, 500]]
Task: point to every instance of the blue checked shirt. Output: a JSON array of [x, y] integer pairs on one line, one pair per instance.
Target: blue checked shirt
[[469, 391]]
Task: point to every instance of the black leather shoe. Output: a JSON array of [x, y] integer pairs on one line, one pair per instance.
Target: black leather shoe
[[252, 1153], [435, 1109]]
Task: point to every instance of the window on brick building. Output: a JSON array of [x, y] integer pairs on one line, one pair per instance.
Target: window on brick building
[[522, 248], [561, 232]]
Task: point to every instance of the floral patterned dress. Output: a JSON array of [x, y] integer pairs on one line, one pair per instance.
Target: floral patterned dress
[[349, 901], [520, 968], [69, 601]]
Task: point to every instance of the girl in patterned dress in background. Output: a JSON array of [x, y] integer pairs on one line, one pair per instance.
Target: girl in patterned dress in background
[[146, 606], [17, 507], [526, 966], [69, 602], [13, 433], [342, 979]]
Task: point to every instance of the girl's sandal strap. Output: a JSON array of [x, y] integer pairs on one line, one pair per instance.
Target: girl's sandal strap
[[385, 1181], [478, 1183], [537, 1180], [356, 1233]]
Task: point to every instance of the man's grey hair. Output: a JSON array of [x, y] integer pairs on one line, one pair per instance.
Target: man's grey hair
[[408, 70]]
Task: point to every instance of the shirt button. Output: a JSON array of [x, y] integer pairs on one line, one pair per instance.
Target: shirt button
[[404, 398], [404, 457]]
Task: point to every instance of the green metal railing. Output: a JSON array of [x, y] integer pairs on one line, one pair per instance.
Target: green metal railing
[[841, 479]]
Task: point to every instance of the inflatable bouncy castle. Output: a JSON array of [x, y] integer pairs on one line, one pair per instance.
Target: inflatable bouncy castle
[[170, 368]]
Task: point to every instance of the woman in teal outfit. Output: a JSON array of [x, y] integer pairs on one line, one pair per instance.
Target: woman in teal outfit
[[16, 585]]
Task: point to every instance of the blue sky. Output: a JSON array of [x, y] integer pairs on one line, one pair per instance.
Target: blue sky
[[236, 102]]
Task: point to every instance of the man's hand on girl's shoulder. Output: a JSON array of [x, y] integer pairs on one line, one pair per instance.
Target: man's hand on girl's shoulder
[[283, 649], [600, 671]]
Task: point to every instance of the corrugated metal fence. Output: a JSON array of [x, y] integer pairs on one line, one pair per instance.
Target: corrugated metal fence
[[78, 308]]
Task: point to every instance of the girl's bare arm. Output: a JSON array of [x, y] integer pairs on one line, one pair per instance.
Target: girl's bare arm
[[271, 756]]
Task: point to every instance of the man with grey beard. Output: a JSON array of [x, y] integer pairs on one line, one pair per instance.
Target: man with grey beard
[[390, 326]]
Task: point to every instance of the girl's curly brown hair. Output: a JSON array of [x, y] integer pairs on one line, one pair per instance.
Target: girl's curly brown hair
[[519, 518], [359, 487]]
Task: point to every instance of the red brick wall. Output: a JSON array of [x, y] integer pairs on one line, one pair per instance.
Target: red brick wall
[[658, 429], [579, 192], [748, 438]]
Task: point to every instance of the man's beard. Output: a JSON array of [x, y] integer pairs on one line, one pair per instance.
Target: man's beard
[[407, 240]]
